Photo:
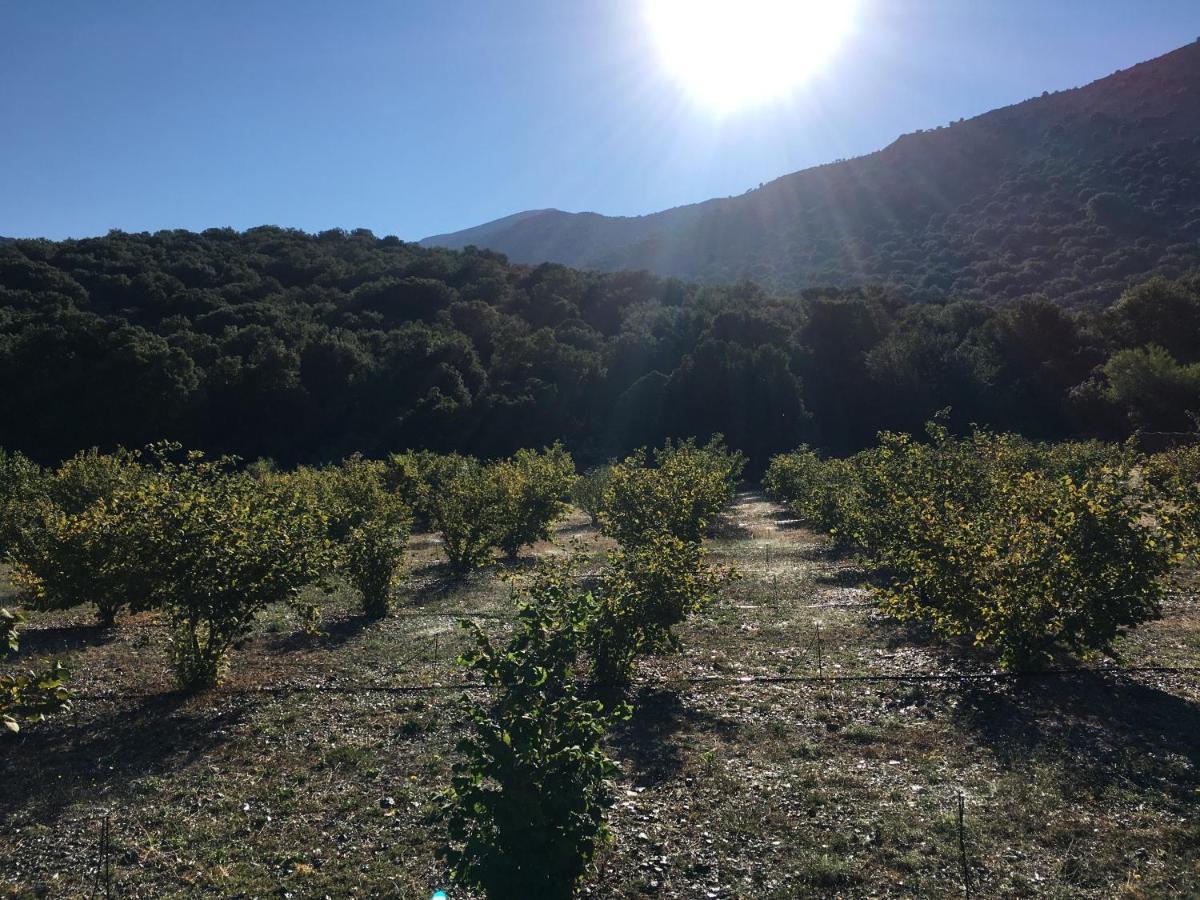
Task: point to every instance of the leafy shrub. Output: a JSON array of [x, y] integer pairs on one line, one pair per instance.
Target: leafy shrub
[[219, 547], [874, 512], [788, 475], [716, 456], [369, 525], [1175, 474], [526, 805], [1174, 469], [1077, 459], [680, 494], [617, 636], [90, 477], [84, 558], [418, 476], [853, 498], [21, 481], [588, 491], [262, 469], [1025, 548], [1048, 564], [464, 510], [27, 696], [374, 557], [73, 546], [813, 488], [531, 488], [645, 591]]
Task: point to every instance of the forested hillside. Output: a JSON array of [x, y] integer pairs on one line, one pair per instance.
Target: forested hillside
[[309, 347], [1073, 195]]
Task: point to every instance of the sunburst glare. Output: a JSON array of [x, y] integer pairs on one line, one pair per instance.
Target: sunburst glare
[[732, 54]]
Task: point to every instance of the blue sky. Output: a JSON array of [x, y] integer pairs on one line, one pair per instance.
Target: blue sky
[[414, 117]]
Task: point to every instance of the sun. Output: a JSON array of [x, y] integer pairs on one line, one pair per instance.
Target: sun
[[733, 54]]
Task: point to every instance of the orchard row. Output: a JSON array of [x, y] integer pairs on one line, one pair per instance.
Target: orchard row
[[1030, 550], [210, 546]]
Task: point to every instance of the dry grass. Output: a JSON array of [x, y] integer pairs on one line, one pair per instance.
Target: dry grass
[[1085, 786]]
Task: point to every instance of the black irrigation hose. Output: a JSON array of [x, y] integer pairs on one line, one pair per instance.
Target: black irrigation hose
[[961, 676], [698, 680], [400, 614], [283, 689]]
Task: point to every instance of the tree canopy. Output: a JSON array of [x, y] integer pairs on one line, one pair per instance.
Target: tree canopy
[[305, 348]]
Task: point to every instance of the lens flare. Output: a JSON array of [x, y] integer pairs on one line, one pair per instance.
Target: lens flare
[[731, 54]]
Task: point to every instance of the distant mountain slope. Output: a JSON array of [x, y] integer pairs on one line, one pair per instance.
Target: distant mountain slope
[[1072, 194]]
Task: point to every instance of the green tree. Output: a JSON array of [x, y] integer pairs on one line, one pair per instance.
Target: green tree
[[1029, 550], [644, 592], [21, 483], [526, 805], [532, 488], [74, 545], [369, 526], [1161, 313], [1155, 391], [588, 491], [464, 512], [681, 494], [219, 547]]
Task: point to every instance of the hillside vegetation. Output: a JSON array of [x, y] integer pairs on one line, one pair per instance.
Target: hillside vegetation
[[305, 347], [1070, 195]]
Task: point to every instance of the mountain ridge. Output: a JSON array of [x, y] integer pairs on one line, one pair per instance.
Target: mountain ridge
[[988, 207]]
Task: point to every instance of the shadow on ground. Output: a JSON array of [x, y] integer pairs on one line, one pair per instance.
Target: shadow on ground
[[850, 577], [827, 553], [576, 528], [729, 529], [785, 520], [56, 764], [62, 639], [436, 583], [333, 634], [1104, 730], [649, 742]]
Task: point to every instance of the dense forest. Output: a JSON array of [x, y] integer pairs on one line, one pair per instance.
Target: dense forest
[[276, 343], [1074, 195]]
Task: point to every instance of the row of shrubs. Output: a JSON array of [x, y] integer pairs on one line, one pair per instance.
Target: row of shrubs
[[211, 545], [1031, 550], [526, 805]]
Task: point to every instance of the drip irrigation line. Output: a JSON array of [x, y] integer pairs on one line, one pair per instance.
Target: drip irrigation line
[[452, 614], [694, 680], [945, 677]]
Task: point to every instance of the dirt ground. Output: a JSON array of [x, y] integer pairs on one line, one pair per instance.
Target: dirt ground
[[801, 744]]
